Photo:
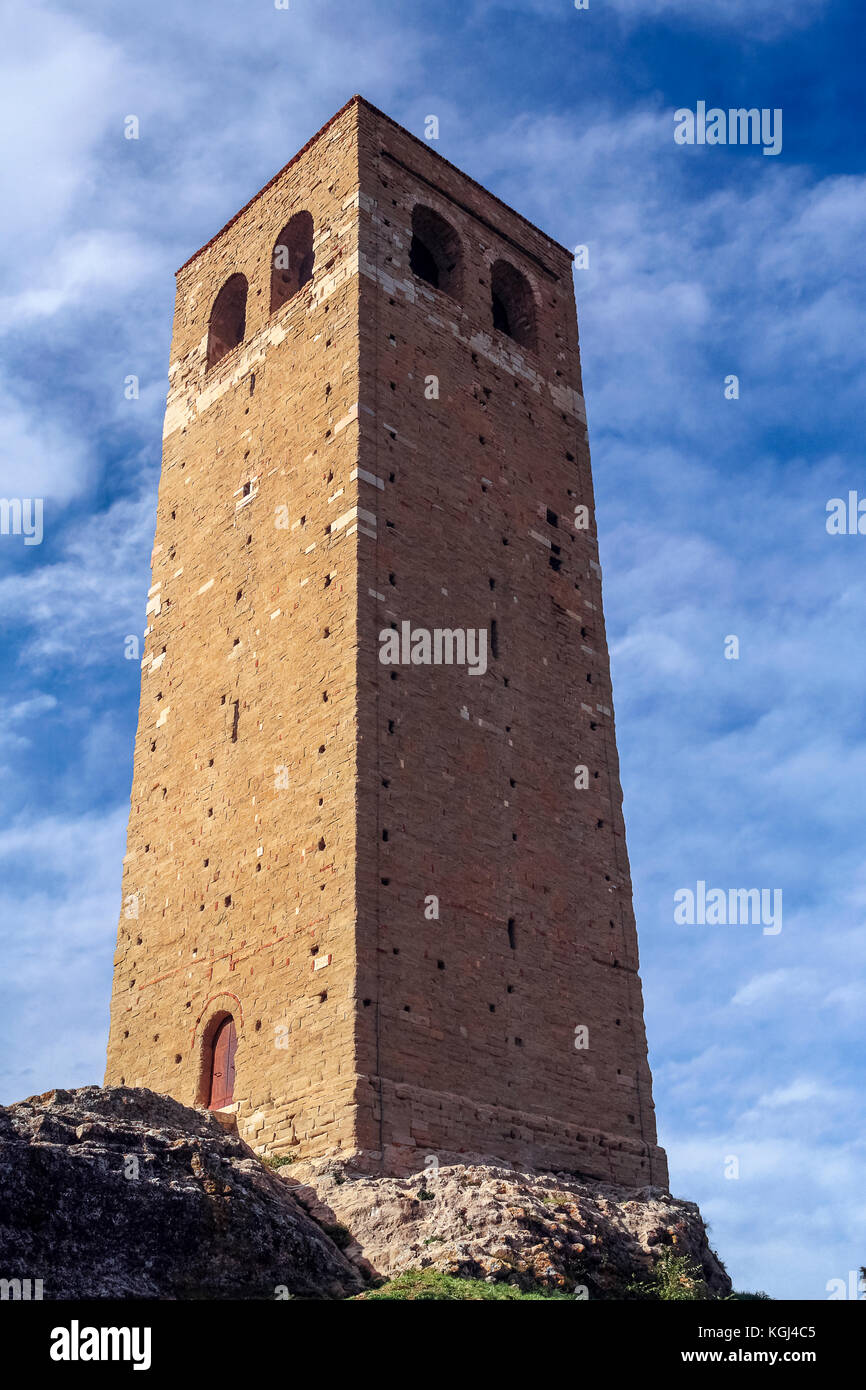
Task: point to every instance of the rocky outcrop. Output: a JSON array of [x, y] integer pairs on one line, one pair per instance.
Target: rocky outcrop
[[122, 1193], [492, 1221]]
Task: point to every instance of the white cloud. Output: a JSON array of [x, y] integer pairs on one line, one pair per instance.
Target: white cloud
[[39, 458], [98, 263], [83, 605], [802, 1091], [775, 985], [60, 90], [753, 18], [59, 902]]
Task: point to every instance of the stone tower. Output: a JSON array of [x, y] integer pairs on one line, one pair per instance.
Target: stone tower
[[376, 897]]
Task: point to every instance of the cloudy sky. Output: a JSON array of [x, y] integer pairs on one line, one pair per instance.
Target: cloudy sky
[[704, 261]]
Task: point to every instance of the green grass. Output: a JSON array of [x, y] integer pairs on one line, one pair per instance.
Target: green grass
[[428, 1284]]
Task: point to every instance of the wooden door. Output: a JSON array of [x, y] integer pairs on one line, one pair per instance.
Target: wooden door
[[222, 1076]]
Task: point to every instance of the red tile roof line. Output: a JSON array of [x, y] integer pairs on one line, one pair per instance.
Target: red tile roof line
[[318, 135]]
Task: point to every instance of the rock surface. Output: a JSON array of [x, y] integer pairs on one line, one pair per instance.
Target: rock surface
[[122, 1193], [118, 1192], [492, 1221]]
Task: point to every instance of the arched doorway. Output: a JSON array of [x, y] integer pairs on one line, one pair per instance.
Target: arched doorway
[[221, 1071]]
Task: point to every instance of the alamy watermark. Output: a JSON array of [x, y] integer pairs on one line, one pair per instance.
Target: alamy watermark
[[846, 516], [439, 646], [738, 126], [729, 907], [77, 1343], [22, 516]]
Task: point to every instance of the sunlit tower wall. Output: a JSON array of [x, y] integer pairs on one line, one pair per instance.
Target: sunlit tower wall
[[383, 900]]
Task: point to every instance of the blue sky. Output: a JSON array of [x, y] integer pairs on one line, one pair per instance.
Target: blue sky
[[704, 261]]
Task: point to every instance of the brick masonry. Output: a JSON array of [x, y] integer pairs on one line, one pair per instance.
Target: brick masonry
[[384, 873]]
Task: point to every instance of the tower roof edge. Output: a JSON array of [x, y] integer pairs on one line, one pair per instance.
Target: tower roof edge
[[358, 100]]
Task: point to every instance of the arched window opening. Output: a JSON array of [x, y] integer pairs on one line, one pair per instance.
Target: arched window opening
[[292, 261], [220, 1064], [436, 254], [513, 304], [228, 319]]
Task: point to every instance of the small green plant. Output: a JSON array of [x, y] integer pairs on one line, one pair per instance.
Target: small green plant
[[433, 1240], [674, 1278], [277, 1160], [430, 1284], [425, 1196]]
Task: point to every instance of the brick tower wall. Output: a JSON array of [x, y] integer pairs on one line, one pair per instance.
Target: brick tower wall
[[467, 782], [241, 849], [294, 800]]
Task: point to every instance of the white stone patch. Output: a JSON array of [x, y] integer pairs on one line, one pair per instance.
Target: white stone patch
[[347, 419], [163, 717], [366, 477], [344, 270], [204, 588], [387, 282], [567, 399], [407, 444], [541, 539], [350, 516], [490, 728]]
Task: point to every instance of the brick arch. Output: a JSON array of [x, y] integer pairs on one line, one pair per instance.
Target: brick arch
[[292, 259], [217, 1009], [513, 304], [237, 1010], [218, 1020], [228, 319], [436, 252]]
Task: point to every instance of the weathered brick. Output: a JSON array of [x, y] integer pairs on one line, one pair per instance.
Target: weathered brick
[[291, 801]]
